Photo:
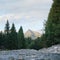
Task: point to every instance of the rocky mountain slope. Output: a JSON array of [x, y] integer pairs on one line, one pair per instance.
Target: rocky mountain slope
[[32, 34]]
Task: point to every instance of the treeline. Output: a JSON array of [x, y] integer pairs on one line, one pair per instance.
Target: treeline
[[10, 39]]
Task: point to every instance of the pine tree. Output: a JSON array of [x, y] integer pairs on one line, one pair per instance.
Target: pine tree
[[7, 27], [28, 42], [21, 40], [52, 29], [6, 32], [13, 38], [1, 39]]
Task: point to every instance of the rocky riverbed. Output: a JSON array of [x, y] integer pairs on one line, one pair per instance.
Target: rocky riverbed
[[52, 53]]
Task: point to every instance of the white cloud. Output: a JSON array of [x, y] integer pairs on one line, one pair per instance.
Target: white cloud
[[26, 10], [9, 16]]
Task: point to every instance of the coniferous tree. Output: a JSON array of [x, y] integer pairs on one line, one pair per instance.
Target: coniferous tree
[[52, 29], [6, 32], [21, 40], [13, 38], [7, 28], [28, 42], [1, 39]]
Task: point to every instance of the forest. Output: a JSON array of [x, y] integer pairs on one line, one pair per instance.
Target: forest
[[10, 39]]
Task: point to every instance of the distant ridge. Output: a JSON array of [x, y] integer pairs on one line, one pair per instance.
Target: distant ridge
[[32, 34]]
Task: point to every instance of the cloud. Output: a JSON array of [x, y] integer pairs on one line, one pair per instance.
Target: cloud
[[18, 6], [24, 11], [9, 17]]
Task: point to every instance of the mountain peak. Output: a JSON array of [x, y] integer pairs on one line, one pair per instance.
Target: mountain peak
[[32, 34]]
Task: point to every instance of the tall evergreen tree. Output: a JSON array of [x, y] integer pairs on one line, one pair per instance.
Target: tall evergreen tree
[[7, 27], [6, 32], [21, 40], [52, 29], [13, 38], [1, 39]]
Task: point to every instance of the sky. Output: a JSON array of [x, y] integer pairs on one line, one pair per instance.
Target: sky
[[30, 14]]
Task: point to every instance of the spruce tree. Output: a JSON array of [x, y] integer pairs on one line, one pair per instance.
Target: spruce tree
[[21, 40], [28, 42], [52, 28], [7, 27], [6, 32], [1, 39], [13, 38]]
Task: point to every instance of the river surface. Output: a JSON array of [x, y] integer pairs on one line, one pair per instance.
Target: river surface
[[52, 53]]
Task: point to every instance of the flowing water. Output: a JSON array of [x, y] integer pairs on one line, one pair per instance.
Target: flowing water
[[28, 55]]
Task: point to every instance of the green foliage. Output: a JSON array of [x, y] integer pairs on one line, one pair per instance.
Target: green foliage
[[1, 39], [7, 28], [21, 40], [10, 39], [28, 42], [13, 38], [53, 24], [6, 33], [36, 44], [43, 41]]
